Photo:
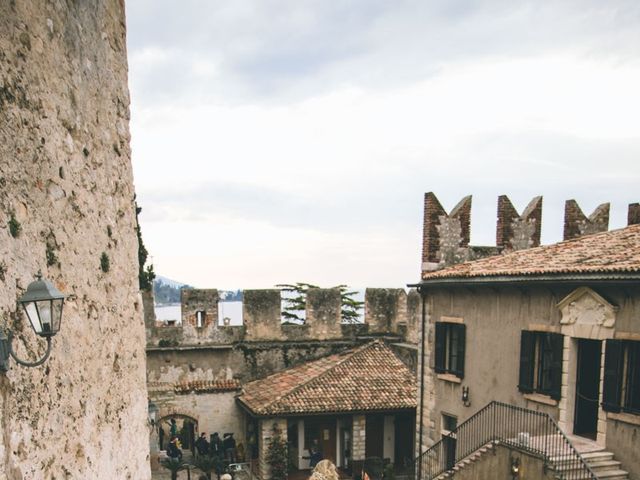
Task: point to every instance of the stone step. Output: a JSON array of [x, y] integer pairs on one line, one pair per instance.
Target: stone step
[[614, 475], [597, 456], [604, 465]]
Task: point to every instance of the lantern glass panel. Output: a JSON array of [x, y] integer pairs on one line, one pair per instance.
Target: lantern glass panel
[[44, 309], [32, 313], [56, 314]]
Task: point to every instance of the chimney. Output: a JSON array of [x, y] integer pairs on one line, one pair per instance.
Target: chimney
[[633, 217], [444, 236], [576, 224], [518, 232]]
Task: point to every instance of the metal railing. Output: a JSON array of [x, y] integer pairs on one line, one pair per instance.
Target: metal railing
[[515, 427]]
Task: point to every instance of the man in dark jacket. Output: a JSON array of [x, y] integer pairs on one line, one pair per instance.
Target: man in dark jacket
[[202, 445]]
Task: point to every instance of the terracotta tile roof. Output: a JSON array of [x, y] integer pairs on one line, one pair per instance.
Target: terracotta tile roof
[[616, 251], [204, 386], [366, 378]]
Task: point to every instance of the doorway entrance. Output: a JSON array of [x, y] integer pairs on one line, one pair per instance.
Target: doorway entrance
[[587, 388]]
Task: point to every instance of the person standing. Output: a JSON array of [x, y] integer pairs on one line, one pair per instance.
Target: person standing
[[173, 451], [202, 446], [215, 447]]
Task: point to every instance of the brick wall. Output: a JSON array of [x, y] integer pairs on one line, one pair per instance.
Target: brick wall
[[577, 224], [515, 231]]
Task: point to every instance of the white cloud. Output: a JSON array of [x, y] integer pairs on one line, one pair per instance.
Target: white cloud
[[273, 156]]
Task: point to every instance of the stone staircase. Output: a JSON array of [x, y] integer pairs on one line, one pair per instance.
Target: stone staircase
[[601, 462], [475, 456]]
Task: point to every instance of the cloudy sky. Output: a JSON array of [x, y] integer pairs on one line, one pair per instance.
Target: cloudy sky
[[289, 140]]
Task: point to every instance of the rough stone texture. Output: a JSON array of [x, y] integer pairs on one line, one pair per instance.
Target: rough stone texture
[[211, 412], [577, 224], [203, 303], [385, 308], [518, 232], [324, 313], [497, 465], [149, 313], [261, 314], [445, 237], [633, 215], [65, 176]]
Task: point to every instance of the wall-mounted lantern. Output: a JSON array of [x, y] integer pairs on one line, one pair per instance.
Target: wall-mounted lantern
[[153, 413], [43, 304], [466, 401], [515, 467]]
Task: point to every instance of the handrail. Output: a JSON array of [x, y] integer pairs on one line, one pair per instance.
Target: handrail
[[536, 433]]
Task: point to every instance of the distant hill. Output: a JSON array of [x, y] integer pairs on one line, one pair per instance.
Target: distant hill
[[166, 290]]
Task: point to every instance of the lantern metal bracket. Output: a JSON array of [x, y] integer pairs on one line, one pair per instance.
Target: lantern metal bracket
[[6, 351]]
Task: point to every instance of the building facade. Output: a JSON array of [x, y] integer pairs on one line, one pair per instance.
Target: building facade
[[552, 329]]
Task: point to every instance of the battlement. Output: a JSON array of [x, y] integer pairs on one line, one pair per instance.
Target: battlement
[[387, 312], [446, 236]]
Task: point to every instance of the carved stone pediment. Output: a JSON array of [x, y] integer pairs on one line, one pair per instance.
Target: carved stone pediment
[[584, 306]]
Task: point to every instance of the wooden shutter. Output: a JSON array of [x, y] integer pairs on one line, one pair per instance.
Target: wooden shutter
[[612, 376], [557, 343], [527, 345], [441, 338], [461, 330]]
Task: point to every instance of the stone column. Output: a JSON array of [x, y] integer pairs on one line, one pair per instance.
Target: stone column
[[267, 429], [359, 435]]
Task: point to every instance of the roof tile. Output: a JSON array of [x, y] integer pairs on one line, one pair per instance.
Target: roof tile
[[615, 251], [369, 377]]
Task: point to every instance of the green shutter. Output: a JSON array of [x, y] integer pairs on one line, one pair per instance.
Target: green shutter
[[527, 343], [441, 337], [461, 330], [612, 376], [557, 341]]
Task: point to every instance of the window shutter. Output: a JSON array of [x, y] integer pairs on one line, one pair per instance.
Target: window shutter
[[462, 334], [557, 343], [527, 340], [441, 336], [612, 376]]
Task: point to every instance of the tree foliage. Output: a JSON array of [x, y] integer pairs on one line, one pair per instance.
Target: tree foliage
[[277, 456], [295, 302], [145, 275], [174, 465], [208, 464]]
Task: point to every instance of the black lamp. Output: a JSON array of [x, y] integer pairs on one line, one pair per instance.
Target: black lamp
[[43, 304], [153, 413]]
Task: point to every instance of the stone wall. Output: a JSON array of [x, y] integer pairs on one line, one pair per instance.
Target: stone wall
[[66, 208], [212, 411], [515, 231], [359, 435], [386, 312], [577, 224], [496, 465], [445, 238]]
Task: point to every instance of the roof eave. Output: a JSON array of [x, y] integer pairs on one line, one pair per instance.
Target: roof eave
[[577, 278]]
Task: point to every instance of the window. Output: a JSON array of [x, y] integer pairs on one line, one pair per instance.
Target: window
[[622, 377], [541, 363], [450, 338], [200, 318]]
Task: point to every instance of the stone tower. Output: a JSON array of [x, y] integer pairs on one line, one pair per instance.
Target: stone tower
[[66, 208]]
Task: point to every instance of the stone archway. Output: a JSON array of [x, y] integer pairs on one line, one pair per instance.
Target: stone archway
[[186, 429]]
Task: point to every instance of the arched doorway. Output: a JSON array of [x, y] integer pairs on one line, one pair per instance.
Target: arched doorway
[[186, 428]]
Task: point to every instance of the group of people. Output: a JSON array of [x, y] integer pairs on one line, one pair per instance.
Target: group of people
[[224, 448]]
